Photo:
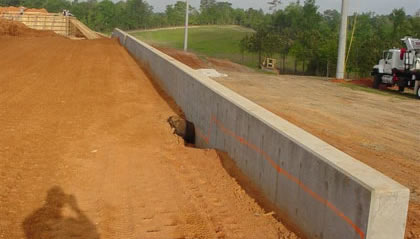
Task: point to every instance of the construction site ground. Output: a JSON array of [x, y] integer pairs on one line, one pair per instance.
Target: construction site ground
[[86, 152], [381, 129]]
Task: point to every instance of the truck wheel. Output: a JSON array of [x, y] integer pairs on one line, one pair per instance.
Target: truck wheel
[[377, 81], [418, 93], [401, 88]]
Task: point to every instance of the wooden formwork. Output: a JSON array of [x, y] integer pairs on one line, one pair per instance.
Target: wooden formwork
[[63, 25], [41, 21]]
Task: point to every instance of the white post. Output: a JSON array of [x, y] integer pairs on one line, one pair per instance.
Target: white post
[[186, 26], [342, 42]]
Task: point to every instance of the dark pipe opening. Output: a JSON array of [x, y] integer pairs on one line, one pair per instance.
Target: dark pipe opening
[[189, 133], [183, 128]]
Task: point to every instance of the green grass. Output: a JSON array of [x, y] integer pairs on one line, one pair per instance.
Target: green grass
[[211, 41], [207, 40]]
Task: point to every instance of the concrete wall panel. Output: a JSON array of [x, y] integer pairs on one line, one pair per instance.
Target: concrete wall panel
[[321, 190]]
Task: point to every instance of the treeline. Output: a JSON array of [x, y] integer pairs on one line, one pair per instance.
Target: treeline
[[105, 15], [99, 15], [212, 12], [310, 38], [298, 33]]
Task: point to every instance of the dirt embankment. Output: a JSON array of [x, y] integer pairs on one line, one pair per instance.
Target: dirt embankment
[[10, 28], [187, 58], [195, 62], [86, 152]]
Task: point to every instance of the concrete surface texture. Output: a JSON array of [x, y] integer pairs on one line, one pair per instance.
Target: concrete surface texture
[[322, 191], [369, 125], [86, 152]]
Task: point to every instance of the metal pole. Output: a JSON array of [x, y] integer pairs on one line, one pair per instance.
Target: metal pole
[[342, 42], [187, 12]]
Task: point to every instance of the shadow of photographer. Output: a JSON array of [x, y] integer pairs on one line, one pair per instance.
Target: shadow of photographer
[[50, 221]]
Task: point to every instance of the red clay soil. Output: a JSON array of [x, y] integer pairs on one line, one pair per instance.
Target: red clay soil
[[10, 28], [17, 9], [86, 152], [227, 65], [187, 58], [365, 82], [193, 61]]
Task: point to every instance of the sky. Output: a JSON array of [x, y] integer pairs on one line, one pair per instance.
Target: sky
[[378, 6]]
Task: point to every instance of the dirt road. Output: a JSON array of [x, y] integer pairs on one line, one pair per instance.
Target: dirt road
[[86, 152], [381, 131]]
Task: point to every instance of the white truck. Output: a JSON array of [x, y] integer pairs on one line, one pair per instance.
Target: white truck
[[400, 67]]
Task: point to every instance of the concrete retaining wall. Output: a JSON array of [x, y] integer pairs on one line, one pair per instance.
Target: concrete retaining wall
[[321, 190]]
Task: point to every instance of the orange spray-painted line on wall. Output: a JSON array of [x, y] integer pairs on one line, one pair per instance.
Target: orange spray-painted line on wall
[[206, 138]]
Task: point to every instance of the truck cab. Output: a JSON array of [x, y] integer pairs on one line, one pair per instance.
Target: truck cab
[[400, 67], [383, 72], [391, 60]]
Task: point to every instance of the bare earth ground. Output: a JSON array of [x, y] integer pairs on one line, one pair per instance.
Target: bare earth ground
[[86, 152], [382, 131]]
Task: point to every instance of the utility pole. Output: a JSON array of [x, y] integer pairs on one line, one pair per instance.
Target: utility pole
[[187, 13], [342, 42]]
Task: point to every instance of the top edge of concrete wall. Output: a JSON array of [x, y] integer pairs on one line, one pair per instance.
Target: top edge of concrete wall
[[354, 169]]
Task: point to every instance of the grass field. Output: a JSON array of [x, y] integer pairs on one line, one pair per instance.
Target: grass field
[[212, 41], [209, 41]]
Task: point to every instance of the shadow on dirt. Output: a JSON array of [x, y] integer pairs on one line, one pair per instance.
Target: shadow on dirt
[[367, 86], [254, 192], [51, 220]]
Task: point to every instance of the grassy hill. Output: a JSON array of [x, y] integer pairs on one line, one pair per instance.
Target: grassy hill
[[213, 41]]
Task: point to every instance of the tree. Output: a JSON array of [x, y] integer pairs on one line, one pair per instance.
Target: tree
[[332, 18], [105, 19], [204, 4], [138, 14], [244, 46], [15, 3], [223, 13], [176, 13], [34, 3], [415, 25], [398, 17], [257, 43], [274, 4]]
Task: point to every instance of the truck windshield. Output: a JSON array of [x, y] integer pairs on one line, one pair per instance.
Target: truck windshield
[[389, 56]]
